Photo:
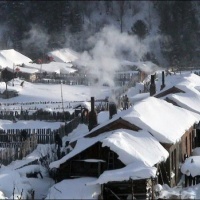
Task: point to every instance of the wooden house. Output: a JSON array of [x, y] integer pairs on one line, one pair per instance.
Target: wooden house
[[25, 73], [106, 153], [186, 96], [22, 72], [175, 132]]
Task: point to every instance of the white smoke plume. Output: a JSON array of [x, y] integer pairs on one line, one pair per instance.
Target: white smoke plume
[[36, 37], [109, 48]]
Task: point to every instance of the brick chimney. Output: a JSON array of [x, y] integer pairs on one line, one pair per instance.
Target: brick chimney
[[163, 80], [152, 86], [112, 109], [92, 116]]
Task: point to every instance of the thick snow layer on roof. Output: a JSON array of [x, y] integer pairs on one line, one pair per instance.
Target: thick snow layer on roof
[[153, 115], [191, 166], [103, 116], [189, 84], [185, 79], [129, 145], [12, 56], [148, 67], [138, 97], [60, 68], [189, 100], [64, 55], [82, 144], [26, 70], [134, 171], [85, 104], [5, 63]]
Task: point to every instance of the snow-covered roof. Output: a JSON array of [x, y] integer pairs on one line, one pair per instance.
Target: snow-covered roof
[[26, 70], [64, 55], [188, 79], [190, 97], [152, 114], [148, 67], [129, 145], [5, 63], [85, 104], [189, 100], [64, 68], [134, 171], [138, 97], [103, 116], [10, 57]]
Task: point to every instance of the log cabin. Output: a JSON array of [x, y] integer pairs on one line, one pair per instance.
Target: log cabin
[[119, 159], [174, 132]]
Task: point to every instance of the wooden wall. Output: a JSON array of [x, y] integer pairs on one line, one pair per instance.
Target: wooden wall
[[177, 154]]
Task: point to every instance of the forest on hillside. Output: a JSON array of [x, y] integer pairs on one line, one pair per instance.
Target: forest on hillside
[[36, 27]]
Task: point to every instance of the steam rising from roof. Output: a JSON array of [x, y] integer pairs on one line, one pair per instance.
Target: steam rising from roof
[[108, 48]]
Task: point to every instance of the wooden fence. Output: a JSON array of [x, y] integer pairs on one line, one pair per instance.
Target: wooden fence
[[10, 151], [44, 136], [12, 147]]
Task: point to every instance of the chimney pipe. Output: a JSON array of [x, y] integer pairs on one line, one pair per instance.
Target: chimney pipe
[[163, 80], [112, 109], [92, 103], [152, 86], [92, 116]]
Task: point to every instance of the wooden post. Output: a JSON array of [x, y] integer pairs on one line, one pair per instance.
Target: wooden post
[[132, 189], [152, 184], [33, 195]]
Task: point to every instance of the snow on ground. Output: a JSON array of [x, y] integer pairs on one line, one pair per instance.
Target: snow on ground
[[29, 124], [12, 177], [52, 92], [41, 151], [191, 166], [74, 189]]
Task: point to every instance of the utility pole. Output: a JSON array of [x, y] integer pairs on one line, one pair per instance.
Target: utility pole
[[13, 73], [62, 101], [41, 71]]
